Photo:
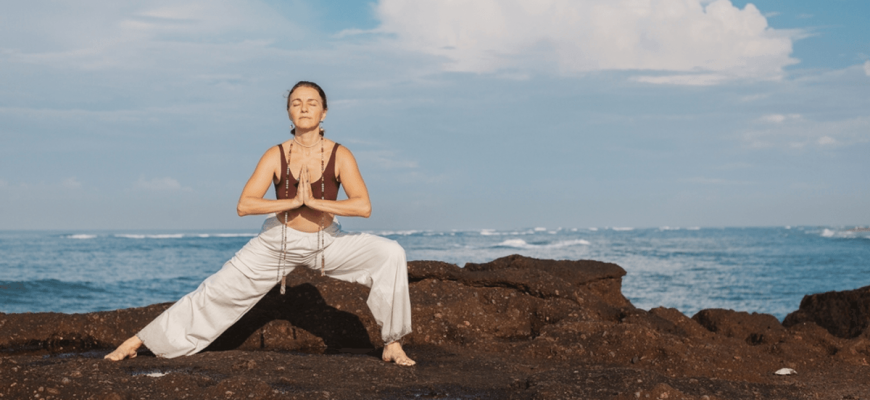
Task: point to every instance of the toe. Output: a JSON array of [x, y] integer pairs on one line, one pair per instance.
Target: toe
[[405, 361]]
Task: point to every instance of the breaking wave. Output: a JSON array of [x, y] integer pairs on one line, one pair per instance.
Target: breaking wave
[[521, 244], [81, 236]]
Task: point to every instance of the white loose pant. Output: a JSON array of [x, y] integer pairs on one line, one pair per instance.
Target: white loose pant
[[198, 318]]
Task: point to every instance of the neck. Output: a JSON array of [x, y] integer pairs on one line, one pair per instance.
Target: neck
[[307, 138]]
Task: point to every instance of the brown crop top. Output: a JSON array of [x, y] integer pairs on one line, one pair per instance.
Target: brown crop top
[[331, 183]]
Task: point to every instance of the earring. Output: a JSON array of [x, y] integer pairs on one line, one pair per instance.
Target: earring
[[292, 129], [322, 131]]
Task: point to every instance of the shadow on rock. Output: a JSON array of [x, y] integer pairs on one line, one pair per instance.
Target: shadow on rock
[[301, 319]]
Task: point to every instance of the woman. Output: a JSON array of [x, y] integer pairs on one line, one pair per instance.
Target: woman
[[301, 233]]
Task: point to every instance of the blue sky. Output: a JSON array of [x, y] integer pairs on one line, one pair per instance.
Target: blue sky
[[462, 115]]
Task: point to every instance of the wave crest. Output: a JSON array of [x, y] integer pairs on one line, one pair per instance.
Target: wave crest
[[521, 244]]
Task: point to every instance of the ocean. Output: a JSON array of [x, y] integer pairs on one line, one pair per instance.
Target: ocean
[[757, 269]]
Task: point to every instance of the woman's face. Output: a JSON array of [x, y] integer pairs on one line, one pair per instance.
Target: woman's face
[[306, 108]]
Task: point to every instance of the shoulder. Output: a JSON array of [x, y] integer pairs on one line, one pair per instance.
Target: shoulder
[[272, 152], [272, 156], [343, 154]]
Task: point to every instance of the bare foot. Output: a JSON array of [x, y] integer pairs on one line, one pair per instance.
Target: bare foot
[[393, 353], [125, 350]]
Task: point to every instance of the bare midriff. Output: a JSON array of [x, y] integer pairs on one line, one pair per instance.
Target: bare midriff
[[305, 219]]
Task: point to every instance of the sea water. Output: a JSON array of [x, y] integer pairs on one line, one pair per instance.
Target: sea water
[[747, 269]]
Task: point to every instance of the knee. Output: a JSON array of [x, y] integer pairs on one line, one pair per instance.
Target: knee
[[396, 249], [391, 249]]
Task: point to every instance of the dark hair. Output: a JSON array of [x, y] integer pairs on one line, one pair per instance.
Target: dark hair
[[309, 85]]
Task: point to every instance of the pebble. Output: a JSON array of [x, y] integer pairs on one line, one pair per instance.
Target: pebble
[[785, 371]]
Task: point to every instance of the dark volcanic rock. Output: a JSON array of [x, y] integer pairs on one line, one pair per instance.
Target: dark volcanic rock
[[752, 328], [844, 314], [513, 328]]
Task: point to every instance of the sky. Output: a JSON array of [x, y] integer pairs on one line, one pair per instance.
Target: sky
[[461, 114]]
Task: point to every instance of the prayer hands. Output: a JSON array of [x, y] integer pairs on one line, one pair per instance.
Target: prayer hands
[[303, 190]]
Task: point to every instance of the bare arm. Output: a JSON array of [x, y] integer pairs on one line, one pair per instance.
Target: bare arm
[[357, 203], [251, 201]]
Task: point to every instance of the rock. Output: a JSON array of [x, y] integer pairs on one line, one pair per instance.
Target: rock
[[753, 328], [688, 325], [785, 371], [515, 327], [844, 314]]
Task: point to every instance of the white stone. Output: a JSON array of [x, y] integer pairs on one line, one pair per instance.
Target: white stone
[[785, 371]]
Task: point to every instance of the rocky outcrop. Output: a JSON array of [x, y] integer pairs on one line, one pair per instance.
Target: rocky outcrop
[[754, 329], [515, 327], [844, 314]]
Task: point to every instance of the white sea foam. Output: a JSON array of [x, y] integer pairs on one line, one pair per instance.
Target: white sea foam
[[521, 244], [617, 228], [828, 233], [81, 236], [593, 229], [157, 236], [693, 228], [488, 232], [397, 233], [225, 235], [540, 229]]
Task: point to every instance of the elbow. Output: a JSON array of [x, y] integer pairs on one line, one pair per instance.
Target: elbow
[[366, 211], [241, 210]]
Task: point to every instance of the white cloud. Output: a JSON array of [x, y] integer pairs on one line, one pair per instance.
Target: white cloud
[[825, 140], [800, 133], [867, 67], [99, 35], [158, 184], [754, 97], [779, 118], [71, 183], [688, 80], [705, 42]]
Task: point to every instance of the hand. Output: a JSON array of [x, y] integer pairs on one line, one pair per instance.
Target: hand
[[307, 199], [305, 186], [302, 191]]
